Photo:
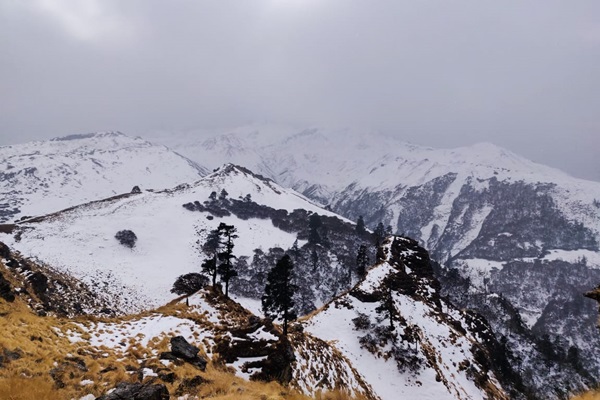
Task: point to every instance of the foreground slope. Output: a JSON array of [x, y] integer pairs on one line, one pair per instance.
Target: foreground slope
[[44, 176], [49, 350]]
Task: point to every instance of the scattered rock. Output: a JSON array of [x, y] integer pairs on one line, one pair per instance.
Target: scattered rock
[[167, 355], [168, 377], [108, 369], [13, 355], [4, 251], [137, 391], [78, 363], [189, 385], [39, 282], [68, 369], [180, 348], [5, 289]]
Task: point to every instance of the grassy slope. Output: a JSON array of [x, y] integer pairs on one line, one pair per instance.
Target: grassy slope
[[44, 346]]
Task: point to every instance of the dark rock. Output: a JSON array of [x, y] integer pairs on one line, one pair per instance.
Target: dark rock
[[7, 228], [13, 355], [79, 363], [108, 369], [136, 189], [5, 289], [137, 391], [4, 251], [39, 282], [180, 348], [168, 377], [167, 355], [189, 385]]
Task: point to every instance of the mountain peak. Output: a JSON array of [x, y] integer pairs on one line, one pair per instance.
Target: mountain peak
[[91, 135]]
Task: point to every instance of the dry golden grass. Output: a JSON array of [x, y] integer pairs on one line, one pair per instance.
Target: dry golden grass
[[39, 388], [45, 348], [595, 395]]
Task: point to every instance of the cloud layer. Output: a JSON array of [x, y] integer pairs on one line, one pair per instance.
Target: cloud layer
[[519, 74]]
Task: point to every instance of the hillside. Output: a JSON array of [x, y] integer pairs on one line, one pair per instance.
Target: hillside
[[85, 356], [424, 347], [45, 176], [46, 354], [532, 301], [168, 225]]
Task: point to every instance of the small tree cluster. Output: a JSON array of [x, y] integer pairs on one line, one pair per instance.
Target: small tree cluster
[[362, 322], [218, 248], [127, 238], [189, 283]]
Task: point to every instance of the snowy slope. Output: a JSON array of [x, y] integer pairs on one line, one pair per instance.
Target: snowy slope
[[44, 176], [357, 172], [81, 241], [442, 348]]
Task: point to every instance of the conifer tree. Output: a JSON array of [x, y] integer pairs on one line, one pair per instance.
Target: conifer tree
[[386, 307], [225, 269], [379, 234], [362, 261], [277, 300], [295, 251], [211, 249], [314, 257], [314, 228], [360, 225]]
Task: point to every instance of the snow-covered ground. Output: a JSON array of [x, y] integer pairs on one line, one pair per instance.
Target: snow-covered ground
[[47, 176], [82, 241], [447, 381]]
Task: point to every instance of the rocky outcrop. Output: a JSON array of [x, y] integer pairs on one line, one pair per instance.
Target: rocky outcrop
[[137, 391]]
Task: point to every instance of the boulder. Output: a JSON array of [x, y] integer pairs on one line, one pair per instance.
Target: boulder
[[180, 348], [137, 391]]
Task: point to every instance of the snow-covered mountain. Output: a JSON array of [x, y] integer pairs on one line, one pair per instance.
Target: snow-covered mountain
[[166, 232], [520, 240], [503, 224], [441, 197], [45, 176]]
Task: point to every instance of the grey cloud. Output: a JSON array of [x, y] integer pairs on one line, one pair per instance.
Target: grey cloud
[[519, 74]]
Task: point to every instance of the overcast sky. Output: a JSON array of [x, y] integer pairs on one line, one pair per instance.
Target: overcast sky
[[522, 74]]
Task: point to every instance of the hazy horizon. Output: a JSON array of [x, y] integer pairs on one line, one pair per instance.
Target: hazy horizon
[[520, 75]]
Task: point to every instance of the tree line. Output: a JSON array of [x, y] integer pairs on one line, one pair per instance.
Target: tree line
[[219, 263]]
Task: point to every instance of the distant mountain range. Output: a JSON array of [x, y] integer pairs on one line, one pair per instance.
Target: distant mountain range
[[515, 241], [46, 176]]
